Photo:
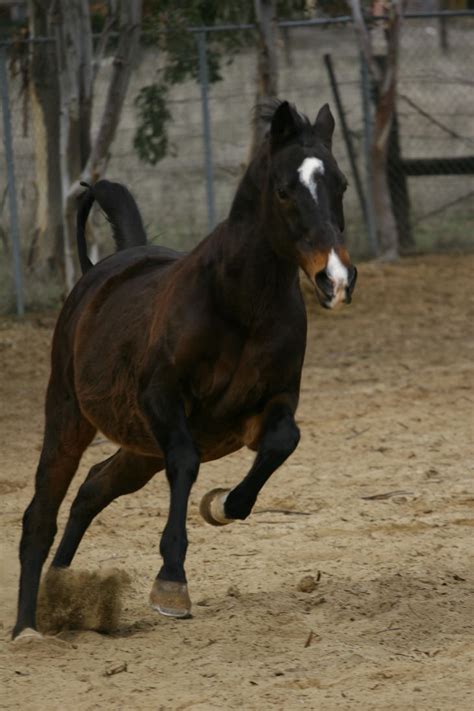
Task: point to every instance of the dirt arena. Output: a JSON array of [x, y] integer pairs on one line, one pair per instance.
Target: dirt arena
[[376, 505]]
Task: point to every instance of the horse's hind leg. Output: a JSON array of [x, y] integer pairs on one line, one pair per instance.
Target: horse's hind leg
[[123, 473], [67, 434]]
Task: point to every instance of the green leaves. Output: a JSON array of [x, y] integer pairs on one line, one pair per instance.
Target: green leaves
[[151, 138], [166, 27]]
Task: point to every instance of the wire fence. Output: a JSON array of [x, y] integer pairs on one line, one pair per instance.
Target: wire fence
[[431, 169]]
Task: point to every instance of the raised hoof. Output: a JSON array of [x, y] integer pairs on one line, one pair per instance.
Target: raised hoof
[[170, 599], [212, 507]]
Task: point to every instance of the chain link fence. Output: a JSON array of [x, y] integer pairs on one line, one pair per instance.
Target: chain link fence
[[432, 144]]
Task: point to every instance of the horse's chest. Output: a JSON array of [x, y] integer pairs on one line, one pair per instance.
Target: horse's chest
[[236, 381]]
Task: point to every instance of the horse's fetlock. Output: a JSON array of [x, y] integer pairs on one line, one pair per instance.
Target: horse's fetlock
[[239, 509]]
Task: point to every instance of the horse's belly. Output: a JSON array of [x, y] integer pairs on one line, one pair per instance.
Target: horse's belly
[[126, 427], [109, 400], [216, 439]]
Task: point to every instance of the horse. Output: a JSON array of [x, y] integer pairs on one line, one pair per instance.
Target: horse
[[184, 358]]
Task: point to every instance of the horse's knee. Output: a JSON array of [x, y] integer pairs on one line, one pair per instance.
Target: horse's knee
[[281, 439], [292, 436]]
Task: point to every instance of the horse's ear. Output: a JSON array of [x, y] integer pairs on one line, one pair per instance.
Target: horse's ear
[[324, 125], [283, 124]]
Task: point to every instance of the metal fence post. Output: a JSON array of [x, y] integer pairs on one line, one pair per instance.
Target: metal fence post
[[204, 82], [7, 138], [367, 118]]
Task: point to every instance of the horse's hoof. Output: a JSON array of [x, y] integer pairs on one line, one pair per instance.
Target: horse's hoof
[[171, 599], [212, 507], [29, 640], [27, 635]]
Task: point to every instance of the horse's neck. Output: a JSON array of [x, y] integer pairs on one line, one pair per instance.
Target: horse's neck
[[250, 278]]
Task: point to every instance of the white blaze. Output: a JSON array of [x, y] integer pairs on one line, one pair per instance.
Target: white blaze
[[338, 273], [307, 171], [336, 269]]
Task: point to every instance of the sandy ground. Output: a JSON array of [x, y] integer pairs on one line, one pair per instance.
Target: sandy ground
[[386, 412]]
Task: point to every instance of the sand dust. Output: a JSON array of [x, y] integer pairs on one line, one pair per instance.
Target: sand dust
[[375, 505], [71, 599]]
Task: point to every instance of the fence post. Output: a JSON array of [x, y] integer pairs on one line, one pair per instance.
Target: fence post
[[367, 119], [7, 138], [347, 136], [204, 82]]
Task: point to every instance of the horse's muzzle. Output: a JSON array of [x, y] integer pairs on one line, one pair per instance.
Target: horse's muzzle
[[331, 293]]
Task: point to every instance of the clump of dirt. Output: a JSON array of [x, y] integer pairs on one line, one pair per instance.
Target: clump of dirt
[[81, 600], [308, 584]]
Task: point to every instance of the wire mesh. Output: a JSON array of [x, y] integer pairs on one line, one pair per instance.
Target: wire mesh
[[436, 118]]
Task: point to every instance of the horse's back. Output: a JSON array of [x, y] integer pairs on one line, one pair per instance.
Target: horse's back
[[119, 264], [110, 272], [96, 287]]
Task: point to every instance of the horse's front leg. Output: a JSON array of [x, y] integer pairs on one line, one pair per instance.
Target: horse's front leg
[[279, 438], [167, 419]]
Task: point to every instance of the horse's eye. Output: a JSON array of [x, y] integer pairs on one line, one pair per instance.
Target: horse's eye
[[282, 194]]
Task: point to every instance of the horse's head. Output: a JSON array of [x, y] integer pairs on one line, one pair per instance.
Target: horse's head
[[307, 189]]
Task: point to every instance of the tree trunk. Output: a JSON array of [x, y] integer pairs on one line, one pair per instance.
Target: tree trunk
[[398, 187], [46, 251], [62, 101], [124, 61], [384, 80], [387, 232], [68, 29], [267, 65]]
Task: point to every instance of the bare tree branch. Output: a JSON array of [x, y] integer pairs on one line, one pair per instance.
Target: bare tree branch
[[127, 50], [365, 41], [101, 46]]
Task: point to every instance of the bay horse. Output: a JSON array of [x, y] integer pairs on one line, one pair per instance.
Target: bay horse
[[182, 359]]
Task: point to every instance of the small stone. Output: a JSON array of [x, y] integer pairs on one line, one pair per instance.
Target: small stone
[[233, 591], [204, 602], [307, 584]]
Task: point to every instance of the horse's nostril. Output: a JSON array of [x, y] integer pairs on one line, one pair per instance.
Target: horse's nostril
[[352, 278], [324, 283]]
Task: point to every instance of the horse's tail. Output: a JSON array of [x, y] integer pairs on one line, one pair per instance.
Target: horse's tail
[[121, 211]]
